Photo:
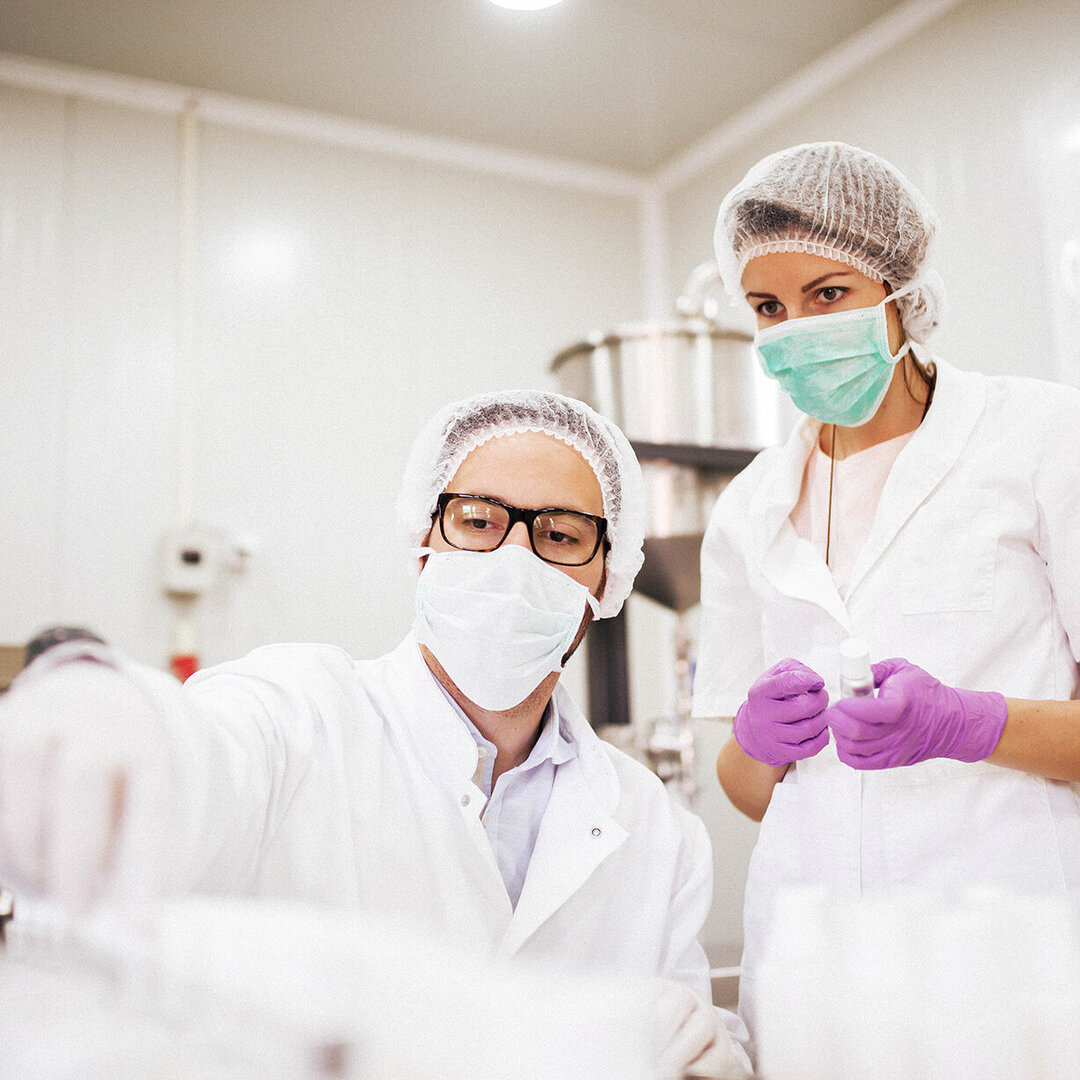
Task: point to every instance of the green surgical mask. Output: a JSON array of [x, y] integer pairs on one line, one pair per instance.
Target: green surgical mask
[[835, 367]]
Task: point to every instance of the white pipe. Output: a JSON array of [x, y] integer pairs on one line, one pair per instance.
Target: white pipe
[[654, 254], [186, 313], [237, 112]]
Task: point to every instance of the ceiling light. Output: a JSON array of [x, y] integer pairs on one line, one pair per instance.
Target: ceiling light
[[525, 5]]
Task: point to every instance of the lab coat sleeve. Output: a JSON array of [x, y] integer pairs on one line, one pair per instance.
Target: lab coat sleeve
[[1057, 495], [207, 773], [256, 730], [686, 961], [730, 654]]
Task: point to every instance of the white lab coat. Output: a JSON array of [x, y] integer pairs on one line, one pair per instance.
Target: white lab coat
[[316, 777], [301, 774], [972, 571]]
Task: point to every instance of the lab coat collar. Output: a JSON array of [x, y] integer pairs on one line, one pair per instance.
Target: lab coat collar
[[447, 753], [442, 739], [588, 750], [771, 504], [932, 451], [555, 741], [449, 747], [578, 831], [789, 563], [551, 745]]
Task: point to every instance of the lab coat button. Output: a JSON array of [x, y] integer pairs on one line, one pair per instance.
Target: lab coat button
[[464, 800], [597, 832]]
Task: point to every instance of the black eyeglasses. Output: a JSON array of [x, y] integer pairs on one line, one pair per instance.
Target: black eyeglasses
[[478, 523]]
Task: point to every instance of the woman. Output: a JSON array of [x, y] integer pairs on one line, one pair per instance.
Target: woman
[[932, 512]]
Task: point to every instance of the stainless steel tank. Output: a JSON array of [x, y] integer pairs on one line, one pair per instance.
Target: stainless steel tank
[[687, 382], [672, 386], [692, 399]]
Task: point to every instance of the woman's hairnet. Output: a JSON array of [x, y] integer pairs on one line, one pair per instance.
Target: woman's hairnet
[[461, 427], [842, 203]]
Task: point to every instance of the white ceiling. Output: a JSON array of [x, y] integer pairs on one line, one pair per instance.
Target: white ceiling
[[624, 84]]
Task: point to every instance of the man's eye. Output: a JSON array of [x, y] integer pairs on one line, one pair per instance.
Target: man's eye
[[553, 536], [477, 524], [562, 532]]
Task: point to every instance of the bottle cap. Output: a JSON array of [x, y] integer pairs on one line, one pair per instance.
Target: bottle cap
[[855, 661]]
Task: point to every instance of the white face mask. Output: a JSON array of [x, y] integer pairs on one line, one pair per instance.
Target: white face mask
[[498, 621]]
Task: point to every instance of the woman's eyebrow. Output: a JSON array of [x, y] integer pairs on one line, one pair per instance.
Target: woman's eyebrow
[[806, 288], [824, 277]]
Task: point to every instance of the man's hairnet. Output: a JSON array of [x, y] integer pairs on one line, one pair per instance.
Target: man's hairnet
[[842, 203], [461, 427]]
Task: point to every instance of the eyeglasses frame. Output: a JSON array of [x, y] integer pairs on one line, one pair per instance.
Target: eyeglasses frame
[[517, 514]]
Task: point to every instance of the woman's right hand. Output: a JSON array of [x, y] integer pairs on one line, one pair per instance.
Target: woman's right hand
[[782, 719]]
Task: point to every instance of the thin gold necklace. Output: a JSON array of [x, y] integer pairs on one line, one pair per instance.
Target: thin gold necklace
[[931, 382], [832, 467]]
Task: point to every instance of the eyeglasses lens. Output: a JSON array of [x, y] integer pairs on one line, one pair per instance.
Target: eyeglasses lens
[[474, 524]]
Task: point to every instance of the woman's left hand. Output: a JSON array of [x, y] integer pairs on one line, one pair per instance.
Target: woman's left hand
[[914, 717]]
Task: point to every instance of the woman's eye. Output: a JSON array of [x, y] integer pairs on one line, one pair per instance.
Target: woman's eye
[[831, 293], [769, 309]]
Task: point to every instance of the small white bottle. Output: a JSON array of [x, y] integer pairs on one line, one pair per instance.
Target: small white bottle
[[856, 677]]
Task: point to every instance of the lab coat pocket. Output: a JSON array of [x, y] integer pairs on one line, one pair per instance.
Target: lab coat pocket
[[949, 549], [954, 825]]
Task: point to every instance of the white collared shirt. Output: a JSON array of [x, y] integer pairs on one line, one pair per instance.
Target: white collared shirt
[[515, 808]]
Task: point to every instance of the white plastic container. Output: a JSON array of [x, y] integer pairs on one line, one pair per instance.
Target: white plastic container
[[856, 676]]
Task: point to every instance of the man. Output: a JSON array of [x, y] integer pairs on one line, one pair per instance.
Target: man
[[452, 781]]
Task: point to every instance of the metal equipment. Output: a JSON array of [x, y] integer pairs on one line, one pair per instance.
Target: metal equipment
[[692, 399]]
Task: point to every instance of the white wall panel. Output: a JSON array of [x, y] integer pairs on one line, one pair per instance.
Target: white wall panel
[[87, 285], [342, 296], [32, 410], [300, 254], [117, 309], [347, 297]]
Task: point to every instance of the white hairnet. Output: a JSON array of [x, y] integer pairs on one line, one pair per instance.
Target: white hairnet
[[842, 203], [461, 427]]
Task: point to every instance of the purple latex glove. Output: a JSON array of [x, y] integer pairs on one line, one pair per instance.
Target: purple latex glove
[[783, 717], [914, 717]]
